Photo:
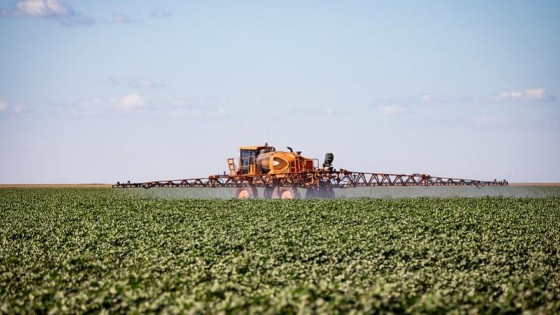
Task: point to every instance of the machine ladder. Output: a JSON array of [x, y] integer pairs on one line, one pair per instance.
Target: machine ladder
[[231, 166]]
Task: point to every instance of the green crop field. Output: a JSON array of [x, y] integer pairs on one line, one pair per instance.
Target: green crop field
[[100, 250]]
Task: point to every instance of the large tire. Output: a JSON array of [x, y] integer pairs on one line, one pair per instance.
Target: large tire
[[321, 193], [311, 193], [246, 193], [328, 193], [286, 193], [268, 192]]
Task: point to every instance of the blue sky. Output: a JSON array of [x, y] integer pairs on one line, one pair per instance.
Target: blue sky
[[101, 91]]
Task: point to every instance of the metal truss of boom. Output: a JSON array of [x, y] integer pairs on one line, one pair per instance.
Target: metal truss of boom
[[335, 179]]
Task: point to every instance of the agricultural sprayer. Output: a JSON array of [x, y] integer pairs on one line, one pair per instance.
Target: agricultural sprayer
[[285, 174]]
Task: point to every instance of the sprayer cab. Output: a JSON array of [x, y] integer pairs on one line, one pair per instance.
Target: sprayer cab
[[248, 157]]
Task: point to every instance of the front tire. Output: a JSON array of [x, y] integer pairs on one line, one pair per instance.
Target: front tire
[[246, 193], [286, 193]]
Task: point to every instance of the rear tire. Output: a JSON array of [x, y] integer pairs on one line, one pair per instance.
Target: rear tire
[[286, 193], [246, 193], [311, 193], [268, 192], [329, 193], [321, 193]]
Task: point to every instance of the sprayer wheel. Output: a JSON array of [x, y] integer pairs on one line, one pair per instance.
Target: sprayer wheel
[[246, 193], [329, 193], [268, 192], [286, 193], [321, 193], [311, 193]]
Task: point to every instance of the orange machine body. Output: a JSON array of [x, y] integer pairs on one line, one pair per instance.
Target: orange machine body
[[258, 160]]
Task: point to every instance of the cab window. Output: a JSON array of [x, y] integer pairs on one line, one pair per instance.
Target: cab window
[[247, 158]]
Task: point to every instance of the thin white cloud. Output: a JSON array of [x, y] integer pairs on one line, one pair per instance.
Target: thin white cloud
[[47, 9], [42, 8], [137, 83], [122, 19], [193, 113], [183, 102], [331, 110], [18, 109], [504, 121], [104, 105], [131, 101], [496, 121], [317, 111], [529, 95], [160, 13], [15, 109], [190, 108], [145, 83], [391, 110], [89, 107], [133, 105], [427, 98]]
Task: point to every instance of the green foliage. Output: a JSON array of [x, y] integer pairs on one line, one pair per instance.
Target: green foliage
[[96, 250]]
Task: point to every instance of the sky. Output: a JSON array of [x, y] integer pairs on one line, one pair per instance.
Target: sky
[[105, 91]]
